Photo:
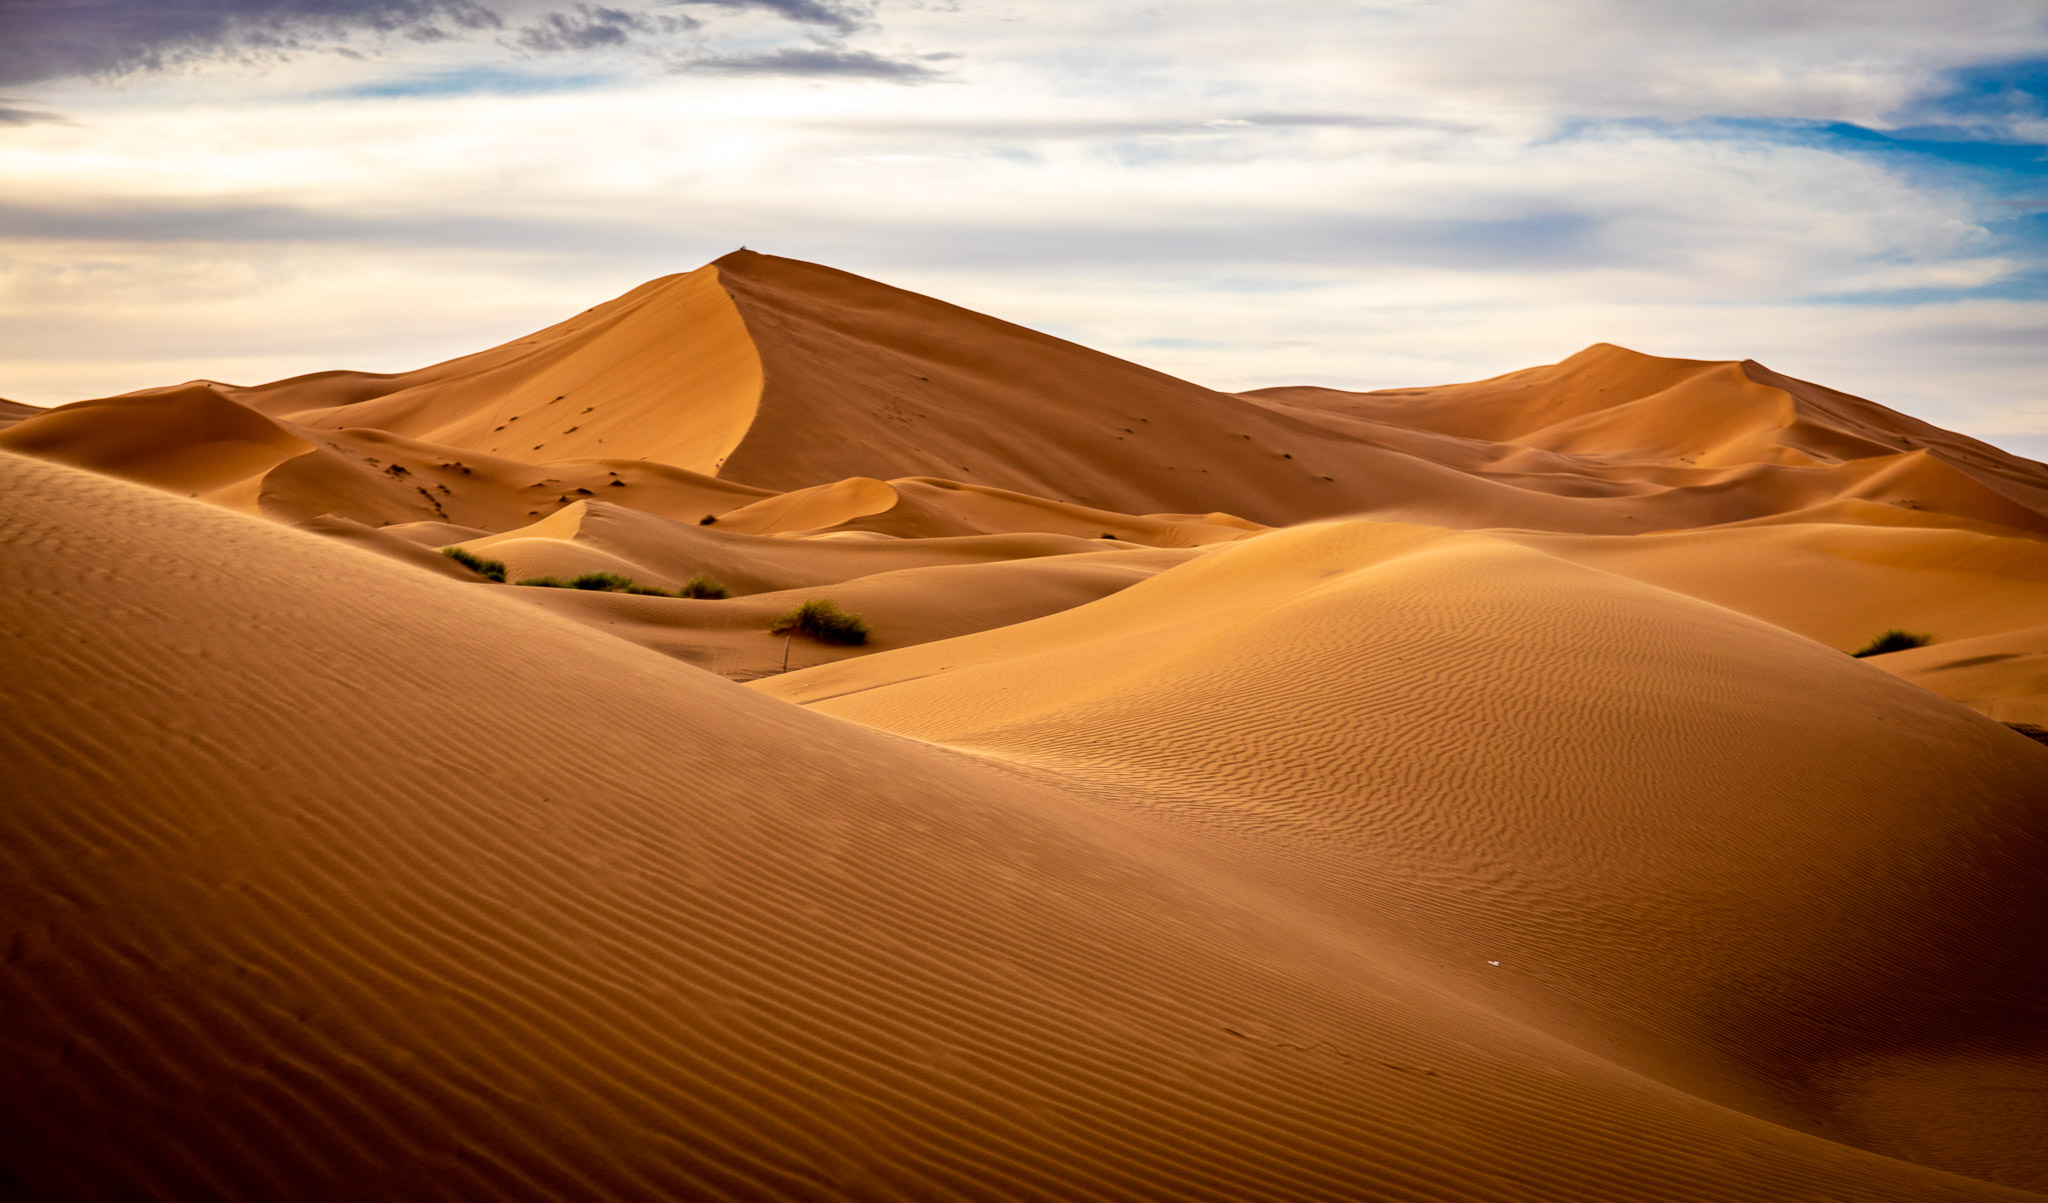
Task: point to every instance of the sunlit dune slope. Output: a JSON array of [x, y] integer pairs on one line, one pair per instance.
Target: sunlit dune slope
[[329, 878], [1838, 582], [1740, 862], [665, 372], [200, 440], [2003, 675]]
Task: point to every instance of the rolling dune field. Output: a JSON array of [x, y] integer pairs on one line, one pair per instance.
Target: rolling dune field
[[425, 786]]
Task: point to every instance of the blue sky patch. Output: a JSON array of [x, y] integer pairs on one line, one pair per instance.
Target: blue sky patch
[[469, 81]]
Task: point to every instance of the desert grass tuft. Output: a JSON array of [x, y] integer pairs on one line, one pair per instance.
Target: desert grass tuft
[[703, 586], [490, 570], [543, 582], [606, 582], [1894, 640], [822, 620]]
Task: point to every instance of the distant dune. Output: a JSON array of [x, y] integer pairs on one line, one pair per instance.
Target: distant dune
[[1438, 793]]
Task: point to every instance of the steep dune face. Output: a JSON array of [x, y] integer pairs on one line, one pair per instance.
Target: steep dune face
[[666, 373], [589, 924], [1742, 863]]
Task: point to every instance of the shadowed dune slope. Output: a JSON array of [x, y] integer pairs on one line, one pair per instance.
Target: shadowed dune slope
[[314, 891], [862, 379], [1738, 861], [15, 411]]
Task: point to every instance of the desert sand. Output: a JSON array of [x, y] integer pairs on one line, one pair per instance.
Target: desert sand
[[1443, 793]]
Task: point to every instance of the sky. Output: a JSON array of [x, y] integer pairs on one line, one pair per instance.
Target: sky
[[1365, 194]]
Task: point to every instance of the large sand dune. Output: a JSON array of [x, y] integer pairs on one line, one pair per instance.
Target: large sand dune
[[1442, 793]]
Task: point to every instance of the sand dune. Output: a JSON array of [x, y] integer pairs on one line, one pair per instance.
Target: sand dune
[[592, 924], [190, 439], [1439, 793], [2003, 675], [1682, 443], [783, 376], [902, 607], [14, 411], [605, 537], [1837, 583], [618, 372], [1748, 874]]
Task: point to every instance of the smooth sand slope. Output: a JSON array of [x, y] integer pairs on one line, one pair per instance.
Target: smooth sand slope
[[1838, 582], [1726, 856], [2003, 675], [316, 891]]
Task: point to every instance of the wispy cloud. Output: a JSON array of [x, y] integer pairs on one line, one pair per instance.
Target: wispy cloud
[[12, 113], [814, 61], [843, 17], [594, 27]]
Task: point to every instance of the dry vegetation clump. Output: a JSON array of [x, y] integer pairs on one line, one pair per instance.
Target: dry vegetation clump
[[612, 582], [604, 582], [490, 570], [1894, 640], [822, 620]]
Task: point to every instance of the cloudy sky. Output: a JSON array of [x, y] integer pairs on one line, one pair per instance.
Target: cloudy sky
[[1362, 194]]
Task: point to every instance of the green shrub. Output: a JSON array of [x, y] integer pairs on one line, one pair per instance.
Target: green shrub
[[542, 582], [647, 591], [823, 621], [1893, 640], [490, 570], [608, 582], [703, 586]]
